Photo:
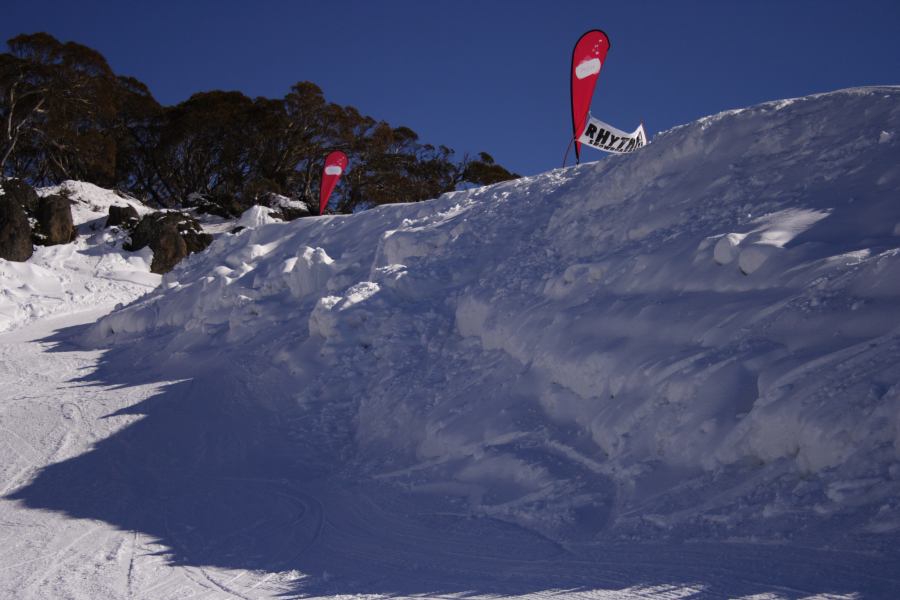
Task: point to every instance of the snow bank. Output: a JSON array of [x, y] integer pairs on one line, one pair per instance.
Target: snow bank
[[702, 335], [90, 203], [90, 272], [255, 216]]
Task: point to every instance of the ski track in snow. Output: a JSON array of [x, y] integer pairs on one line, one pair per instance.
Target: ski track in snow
[[633, 379], [300, 532]]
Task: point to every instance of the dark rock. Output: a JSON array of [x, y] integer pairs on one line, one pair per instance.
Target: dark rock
[[150, 227], [171, 236], [168, 250], [15, 231], [21, 193], [220, 205], [122, 216], [196, 241], [54, 221], [282, 211], [286, 213]]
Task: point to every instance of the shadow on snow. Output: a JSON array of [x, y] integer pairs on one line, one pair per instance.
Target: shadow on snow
[[230, 474]]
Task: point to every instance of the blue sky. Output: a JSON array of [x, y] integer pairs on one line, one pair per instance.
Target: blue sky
[[490, 74]]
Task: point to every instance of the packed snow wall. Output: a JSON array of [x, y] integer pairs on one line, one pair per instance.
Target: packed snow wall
[[699, 339]]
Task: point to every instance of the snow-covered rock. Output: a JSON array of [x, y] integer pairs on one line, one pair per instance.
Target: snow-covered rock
[[255, 216], [701, 337], [90, 203], [90, 272]]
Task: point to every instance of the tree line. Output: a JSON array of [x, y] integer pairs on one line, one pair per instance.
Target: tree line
[[64, 114]]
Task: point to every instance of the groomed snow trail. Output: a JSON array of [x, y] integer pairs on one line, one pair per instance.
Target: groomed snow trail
[[238, 505]]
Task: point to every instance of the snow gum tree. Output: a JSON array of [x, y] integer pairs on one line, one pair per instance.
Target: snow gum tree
[[64, 114]]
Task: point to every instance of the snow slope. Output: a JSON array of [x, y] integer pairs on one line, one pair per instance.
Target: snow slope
[[72, 277], [669, 374], [595, 348]]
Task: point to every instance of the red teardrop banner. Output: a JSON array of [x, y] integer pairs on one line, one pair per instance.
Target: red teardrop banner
[[335, 165], [588, 57]]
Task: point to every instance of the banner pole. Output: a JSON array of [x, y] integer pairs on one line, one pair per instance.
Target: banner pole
[[569, 147]]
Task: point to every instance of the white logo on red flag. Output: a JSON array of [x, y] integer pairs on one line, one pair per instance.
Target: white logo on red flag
[[588, 57], [335, 163]]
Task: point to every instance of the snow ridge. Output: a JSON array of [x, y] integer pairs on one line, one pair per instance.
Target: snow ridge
[[701, 339]]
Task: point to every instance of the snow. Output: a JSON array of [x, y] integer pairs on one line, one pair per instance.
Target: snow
[[91, 271], [255, 216], [588, 307], [669, 374], [90, 203], [277, 200]]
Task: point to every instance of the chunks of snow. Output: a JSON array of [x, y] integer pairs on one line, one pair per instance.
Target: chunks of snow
[[780, 227], [754, 255], [308, 272], [321, 321], [772, 232], [630, 329], [255, 216], [726, 249]]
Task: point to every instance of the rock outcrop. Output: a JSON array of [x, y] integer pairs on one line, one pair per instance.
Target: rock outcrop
[[54, 221], [122, 216], [171, 235], [15, 231], [285, 208], [21, 193]]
